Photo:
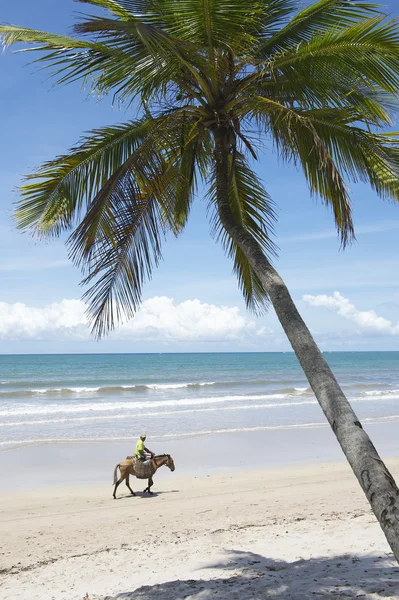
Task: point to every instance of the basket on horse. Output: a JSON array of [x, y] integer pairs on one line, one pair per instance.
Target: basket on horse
[[142, 470]]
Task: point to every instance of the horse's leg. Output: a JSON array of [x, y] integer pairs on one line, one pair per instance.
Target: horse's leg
[[150, 484], [121, 478], [127, 483], [147, 489], [116, 486]]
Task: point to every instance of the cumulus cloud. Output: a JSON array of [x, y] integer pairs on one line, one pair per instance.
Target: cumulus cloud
[[160, 318], [367, 320], [19, 321]]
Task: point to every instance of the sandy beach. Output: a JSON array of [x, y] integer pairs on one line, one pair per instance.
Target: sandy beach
[[289, 532]]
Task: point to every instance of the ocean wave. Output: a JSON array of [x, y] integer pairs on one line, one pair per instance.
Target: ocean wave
[[28, 384], [30, 409], [125, 415], [167, 413], [41, 389], [286, 397], [48, 391], [123, 389], [175, 386], [361, 385], [153, 386], [106, 389], [386, 419], [378, 393]]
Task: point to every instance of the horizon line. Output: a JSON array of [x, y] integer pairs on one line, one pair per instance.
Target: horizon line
[[174, 353]]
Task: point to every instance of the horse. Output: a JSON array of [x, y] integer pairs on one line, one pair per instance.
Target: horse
[[126, 468]]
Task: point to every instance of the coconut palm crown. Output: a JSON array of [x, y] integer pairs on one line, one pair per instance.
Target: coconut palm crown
[[321, 83]]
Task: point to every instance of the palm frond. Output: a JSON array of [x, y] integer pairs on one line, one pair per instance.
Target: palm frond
[[118, 242], [186, 183], [367, 49], [11, 34], [362, 155], [276, 15], [253, 209], [123, 259], [227, 24], [119, 8], [328, 88], [54, 195], [193, 161], [297, 141], [316, 19], [143, 57], [135, 58]]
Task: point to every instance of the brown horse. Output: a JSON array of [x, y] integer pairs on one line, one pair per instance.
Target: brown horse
[[126, 468]]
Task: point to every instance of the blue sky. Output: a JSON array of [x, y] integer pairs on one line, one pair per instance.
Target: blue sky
[[194, 283]]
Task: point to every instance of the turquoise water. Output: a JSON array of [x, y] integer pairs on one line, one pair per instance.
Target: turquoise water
[[117, 396]]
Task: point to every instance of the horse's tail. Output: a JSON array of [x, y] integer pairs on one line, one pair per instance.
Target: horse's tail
[[116, 474]]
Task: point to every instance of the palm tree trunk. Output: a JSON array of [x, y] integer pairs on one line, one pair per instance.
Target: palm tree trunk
[[372, 474]]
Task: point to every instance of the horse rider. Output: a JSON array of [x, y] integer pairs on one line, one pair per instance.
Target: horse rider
[[141, 451]]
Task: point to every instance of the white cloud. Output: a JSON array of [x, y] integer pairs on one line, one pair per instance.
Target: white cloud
[[367, 320], [19, 321], [160, 318]]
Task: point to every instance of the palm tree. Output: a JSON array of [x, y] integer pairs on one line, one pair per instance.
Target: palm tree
[[209, 81]]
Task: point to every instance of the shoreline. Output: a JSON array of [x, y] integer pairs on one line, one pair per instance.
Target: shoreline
[[47, 464]]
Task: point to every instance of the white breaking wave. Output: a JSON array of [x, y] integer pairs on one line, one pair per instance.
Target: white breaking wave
[[176, 386], [383, 393], [74, 390], [153, 414], [106, 389], [114, 406], [135, 407]]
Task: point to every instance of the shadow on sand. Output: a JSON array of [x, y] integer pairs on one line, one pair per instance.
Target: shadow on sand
[[249, 576], [145, 495]]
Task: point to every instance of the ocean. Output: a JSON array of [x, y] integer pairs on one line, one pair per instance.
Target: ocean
[[84, 397]]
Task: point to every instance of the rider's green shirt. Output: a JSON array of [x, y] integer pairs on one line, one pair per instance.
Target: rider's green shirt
[[139, 448]]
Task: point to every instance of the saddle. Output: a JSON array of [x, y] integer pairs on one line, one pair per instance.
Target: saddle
[[142, 470]]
